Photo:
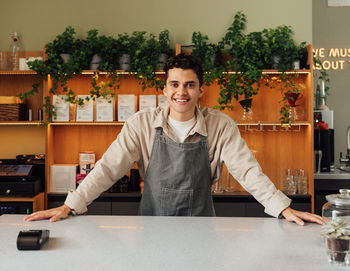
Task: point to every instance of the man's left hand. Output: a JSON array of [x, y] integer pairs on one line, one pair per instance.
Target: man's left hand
[[299, 217]]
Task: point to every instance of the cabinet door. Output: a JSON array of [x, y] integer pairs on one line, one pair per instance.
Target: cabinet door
[[230, 209], [125, 205]]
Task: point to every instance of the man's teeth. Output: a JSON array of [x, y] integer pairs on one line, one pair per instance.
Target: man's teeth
[[181, 100]]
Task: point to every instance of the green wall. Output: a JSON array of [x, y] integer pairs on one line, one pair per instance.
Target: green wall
[[39, 21], [331, 30]]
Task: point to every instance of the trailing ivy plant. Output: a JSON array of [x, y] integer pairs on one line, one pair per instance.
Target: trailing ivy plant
[[243, 71], [59, 70], [209, 55], [145, 59]]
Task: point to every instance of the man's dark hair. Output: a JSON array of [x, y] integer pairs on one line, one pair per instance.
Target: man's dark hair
[[185, 62]]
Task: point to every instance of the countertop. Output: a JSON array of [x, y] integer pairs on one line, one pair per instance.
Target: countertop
[[165, 243], [337, 174]]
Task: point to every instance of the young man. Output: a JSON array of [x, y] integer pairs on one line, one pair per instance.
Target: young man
[[179, 151]]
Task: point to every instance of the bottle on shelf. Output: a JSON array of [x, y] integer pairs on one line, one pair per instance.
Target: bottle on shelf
[[14, 52]]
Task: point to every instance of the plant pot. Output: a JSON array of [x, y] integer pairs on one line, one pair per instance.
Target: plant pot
[[65, 57], [246, 104], [124, 62], [163, 58], [95, 62], [338, 251], [292, 98], [275, 60], [296, 65], [247, 109]]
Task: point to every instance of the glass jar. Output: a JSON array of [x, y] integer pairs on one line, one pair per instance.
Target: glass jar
[[334, 213], [337, 206]]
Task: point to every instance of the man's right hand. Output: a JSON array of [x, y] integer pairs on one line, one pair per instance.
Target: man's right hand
[[53, 214]]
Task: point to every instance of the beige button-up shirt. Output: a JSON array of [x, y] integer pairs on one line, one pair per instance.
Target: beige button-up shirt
[[134, 144]]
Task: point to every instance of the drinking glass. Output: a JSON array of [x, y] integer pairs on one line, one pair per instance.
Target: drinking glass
[[289, 184], [302, 183], [229, 182]]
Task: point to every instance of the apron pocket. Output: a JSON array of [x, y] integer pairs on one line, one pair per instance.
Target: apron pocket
[[176, 202]]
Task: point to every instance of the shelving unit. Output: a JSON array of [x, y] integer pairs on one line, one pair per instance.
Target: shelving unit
[[36, 202], [276, 147], [22, 137]]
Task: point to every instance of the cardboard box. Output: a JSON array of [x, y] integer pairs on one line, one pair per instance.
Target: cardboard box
[[63, 177]]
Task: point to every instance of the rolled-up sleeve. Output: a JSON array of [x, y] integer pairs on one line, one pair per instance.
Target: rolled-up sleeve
[[245, 169], [115, 162]]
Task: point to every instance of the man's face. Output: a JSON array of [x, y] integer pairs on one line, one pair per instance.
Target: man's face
[[182, 91]]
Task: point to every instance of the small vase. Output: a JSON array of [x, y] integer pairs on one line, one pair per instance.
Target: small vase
[[275, 61], [292, 98], [295, 113], [247, 114], [65, 57], [124, 62], [95, 62], [163, 58]]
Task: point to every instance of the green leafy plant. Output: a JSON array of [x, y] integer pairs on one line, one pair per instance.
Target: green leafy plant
[[59, 70], [208, 54], [337, 228], [144, 52], [145, 59], [243, 71], [164, 41], [282, 47]]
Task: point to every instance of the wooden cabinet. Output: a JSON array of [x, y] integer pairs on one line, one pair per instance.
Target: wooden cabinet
[[22, 137], [22, 205]]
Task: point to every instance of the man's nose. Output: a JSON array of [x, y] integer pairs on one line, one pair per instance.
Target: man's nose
[[182, 90]]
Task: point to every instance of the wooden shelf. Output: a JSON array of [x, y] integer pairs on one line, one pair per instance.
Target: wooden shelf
[[38, 201], [95, 123], [21, 123], [9, 72], [91, 72]]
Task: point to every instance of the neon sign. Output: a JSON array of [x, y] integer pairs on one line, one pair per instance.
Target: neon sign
[[333, 58]]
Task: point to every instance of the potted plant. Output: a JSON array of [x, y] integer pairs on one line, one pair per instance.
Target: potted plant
[[93, 47], [208, 53], [144, 62], [244, 72], [337, 234], [284, 52], [59, 70], [125, 51], [164, 41], [63, 45]]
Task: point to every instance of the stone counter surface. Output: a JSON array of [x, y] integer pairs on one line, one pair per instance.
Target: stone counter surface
[[165, 243]]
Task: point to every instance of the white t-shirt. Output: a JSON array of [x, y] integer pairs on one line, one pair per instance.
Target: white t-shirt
[[181, 128]]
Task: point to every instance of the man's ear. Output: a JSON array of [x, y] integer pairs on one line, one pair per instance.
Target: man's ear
[[165, 90], [201, 92]]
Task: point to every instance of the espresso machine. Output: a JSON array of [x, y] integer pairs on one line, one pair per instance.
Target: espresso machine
[[324, 141], [345, 162]]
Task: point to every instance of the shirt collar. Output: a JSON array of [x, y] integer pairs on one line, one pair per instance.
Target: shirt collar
[[161, 120]]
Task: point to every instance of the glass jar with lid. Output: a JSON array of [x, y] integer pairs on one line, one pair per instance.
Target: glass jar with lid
[[337, 206]]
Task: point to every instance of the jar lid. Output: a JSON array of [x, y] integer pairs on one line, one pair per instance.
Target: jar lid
[[340, 199]]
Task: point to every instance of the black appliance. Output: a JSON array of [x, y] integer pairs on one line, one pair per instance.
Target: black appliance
[[324, 150], [23, 176]]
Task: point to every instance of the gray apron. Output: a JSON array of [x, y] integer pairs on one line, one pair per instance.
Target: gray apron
[[178, 179]]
